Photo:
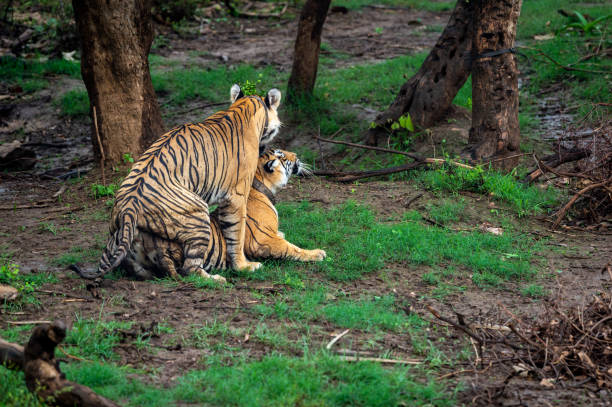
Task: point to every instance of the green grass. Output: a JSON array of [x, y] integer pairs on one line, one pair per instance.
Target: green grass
[[357, 244], [448, 210], [541, 16], [434, 6], [25, 283], [366, 314], [74, 103], [523, 199], [32, 74], [182, 85], [94, 339], [317, 380], [77, 254]]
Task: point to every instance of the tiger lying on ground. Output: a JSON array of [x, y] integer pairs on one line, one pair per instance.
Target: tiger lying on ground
[[169, 188], [153, 256]]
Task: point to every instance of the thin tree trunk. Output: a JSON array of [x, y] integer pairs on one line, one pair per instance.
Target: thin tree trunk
[[495, 98], [428, 94], [116, 37], [307, 45]]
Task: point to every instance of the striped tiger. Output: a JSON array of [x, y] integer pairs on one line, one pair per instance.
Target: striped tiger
[[152, 256], [169, 188]]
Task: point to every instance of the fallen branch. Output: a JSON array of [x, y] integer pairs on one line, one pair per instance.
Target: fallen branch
[[42, 374], [414, 156], [554, 160], [381, 360], [11, 355], [562, 211], [27, 322], [336, 339], [40, 204]]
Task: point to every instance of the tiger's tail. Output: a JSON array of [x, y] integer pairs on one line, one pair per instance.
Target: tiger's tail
[[116, 249]]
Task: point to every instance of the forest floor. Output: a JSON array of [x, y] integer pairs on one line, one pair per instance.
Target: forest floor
[[396, 246]]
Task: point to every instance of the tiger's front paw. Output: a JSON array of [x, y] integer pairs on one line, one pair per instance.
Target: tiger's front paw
[[218, 278], [319, 254], [315, 255], [249, 266]]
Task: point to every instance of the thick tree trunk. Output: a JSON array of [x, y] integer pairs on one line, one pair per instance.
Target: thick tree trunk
[[116, 37], [428, 94], [495, 98], [307, 45]]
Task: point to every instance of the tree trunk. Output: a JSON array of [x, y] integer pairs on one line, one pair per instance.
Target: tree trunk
[[116, 37], [428, 94], [495, 127], [307, 45]]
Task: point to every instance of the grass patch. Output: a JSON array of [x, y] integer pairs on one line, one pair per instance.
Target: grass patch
[[541, 16], [318, 380], [26, 283], [77, 254], [31, 75], [434, 6], [94, 339], [74, 103], [366, 314], [185, 84], [357, 244], [524, 199], [448, 210]]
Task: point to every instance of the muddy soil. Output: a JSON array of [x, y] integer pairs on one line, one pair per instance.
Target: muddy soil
[[38, 227]]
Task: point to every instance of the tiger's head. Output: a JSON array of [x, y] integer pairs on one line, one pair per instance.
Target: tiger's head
[[277, 166], [271, 101]]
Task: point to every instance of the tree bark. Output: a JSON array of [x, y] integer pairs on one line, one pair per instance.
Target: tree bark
[[307, 45], [116, 37], [428, 94], [42, 374], [495, 98]]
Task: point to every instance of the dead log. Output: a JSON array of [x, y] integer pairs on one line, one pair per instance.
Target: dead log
[[42, 373], [14, 156], [11, 355]]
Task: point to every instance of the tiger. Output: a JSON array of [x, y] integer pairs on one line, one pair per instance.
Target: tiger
[[152, 256], [169, 188]]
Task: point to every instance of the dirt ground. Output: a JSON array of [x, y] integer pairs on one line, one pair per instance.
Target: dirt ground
[[29, 200]]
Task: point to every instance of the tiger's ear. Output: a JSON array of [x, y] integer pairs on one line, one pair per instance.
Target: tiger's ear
[[273, 98], [269, 166], [236, 93]]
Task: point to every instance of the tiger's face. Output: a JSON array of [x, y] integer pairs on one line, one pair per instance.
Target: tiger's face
[[272, 101], [278, 166]]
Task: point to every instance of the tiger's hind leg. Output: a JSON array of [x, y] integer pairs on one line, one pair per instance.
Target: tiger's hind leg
[[181, 217]]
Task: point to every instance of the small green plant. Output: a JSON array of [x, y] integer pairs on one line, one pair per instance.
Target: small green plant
[[252, 88], [99, 190], [580, 23], [48, 227], [404, 122], [127, 158], [533, 291]]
